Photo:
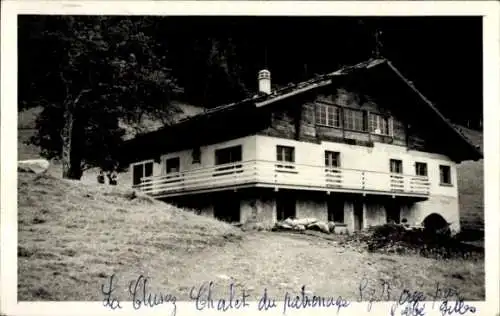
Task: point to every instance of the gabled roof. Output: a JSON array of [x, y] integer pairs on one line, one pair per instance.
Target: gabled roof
[[292, 90]]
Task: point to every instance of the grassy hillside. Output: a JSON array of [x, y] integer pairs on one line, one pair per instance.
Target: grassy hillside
[[71, 235], [471, 187]]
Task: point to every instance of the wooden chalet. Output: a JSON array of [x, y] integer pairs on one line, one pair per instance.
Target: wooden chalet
[[359, 146]]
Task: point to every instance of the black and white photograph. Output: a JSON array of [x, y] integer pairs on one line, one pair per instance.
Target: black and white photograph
[[252, 163]]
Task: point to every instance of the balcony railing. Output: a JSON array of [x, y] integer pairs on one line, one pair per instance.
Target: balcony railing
[[280, 174]]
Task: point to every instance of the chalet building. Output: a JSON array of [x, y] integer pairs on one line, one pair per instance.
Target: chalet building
[[360, 146]]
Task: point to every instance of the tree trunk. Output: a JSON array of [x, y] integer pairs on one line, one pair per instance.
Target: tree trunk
[[71, 155]]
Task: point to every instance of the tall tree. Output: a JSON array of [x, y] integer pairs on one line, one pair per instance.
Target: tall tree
[[90, 73]]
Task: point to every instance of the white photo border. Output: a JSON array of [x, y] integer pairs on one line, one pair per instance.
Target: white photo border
[[489, 10]]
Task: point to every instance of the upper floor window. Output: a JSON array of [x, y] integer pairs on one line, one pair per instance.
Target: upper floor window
[[172, 165], [332, 159], [285, 153], [228, 155], [445, 175], [354, 120], [421, 169], [140, 170], [396, 166], [380, 124], [328, 115]]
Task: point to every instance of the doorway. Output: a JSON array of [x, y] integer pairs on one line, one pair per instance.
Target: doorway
[[285, 206], [393, 212], [358, 215]]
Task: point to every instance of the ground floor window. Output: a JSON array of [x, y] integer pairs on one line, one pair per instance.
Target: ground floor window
[[140, 170]]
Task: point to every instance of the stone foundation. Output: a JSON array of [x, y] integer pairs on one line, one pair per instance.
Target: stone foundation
[[260, 206]]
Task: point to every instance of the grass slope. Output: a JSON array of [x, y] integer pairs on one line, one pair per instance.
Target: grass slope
[[72, 236], [471, 187]]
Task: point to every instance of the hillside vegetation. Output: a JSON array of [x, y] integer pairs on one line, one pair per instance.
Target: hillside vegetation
[[471, 187], [72, 235]]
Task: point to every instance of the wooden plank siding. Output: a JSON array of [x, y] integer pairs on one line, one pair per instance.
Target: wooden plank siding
[[285, 123]]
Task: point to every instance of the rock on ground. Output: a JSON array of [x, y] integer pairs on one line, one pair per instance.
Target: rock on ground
[[37, 166]]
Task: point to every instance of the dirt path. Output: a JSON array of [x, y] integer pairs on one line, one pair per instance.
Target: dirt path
[[284, 262]]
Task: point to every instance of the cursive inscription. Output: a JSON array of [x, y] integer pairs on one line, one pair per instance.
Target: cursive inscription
[[305, 301], [203, 298], [110, 301], [142, 297]]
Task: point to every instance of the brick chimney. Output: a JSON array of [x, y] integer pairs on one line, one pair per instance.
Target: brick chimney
[[264, 79]]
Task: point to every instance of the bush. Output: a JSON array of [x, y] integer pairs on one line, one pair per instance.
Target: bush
[[394, 238]]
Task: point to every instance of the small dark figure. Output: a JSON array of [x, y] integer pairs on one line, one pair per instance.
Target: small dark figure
[[100, 177], [113, 178]]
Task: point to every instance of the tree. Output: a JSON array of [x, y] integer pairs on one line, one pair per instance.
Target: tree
[[90, 73]]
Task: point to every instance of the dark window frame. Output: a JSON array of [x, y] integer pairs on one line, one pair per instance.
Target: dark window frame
[[329, 115], [283, 156], [228, 155], [175, 161], [145, 171], [399, 166], [443, 176], [419, 166], [376, 120], [196, 155], [330, 157], [351, 122]]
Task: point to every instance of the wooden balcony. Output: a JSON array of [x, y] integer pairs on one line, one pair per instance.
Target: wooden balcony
[[281, 175]]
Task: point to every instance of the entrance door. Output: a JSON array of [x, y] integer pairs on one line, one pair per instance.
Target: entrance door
[[393, 212], [285, 206], [358, 215]]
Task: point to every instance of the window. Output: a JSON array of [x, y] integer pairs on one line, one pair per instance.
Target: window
[[285, 153], [328, 115], [332, 159], [172, 165], [354, 120], [380, 124], [445, 174], [141, 170], [196, 155], [421, 169], [228, 155], [396, 166]]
